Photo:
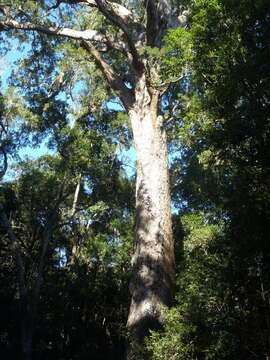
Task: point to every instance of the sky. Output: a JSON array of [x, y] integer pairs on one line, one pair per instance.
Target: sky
[[7, 65]]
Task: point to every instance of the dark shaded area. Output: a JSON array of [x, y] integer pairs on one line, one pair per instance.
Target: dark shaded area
[[83, 303], [81, 315]]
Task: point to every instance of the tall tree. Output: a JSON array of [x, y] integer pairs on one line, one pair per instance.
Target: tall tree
[[119, 52], [36, 224]]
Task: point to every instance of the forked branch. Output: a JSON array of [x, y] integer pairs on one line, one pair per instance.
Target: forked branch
[[122, 18]]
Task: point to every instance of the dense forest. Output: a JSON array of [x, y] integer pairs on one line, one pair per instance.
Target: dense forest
[[135, 179]]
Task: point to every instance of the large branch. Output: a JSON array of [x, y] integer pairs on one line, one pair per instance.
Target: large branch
[[159, 14], [119, 10], [122, 18], [160, 18], [115, 81], [115, 13], [87, 35]]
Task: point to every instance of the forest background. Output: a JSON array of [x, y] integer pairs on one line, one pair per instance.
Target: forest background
[[68, 217]]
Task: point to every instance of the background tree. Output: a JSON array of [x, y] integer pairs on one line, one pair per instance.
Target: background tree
[[98, 268]]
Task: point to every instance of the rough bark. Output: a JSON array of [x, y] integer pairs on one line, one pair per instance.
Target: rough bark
[[159, 13], [153, 258]]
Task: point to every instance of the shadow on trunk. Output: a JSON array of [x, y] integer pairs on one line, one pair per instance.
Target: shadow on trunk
[[153, 276]]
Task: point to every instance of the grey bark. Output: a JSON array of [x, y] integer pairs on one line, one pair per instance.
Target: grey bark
[[153, 259], [75, 247]]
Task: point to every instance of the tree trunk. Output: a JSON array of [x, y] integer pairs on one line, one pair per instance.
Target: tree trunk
[[153, 258], [27, 334], [75, 247], [25, 315]]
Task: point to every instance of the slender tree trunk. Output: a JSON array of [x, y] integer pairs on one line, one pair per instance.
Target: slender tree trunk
[[75, 247], [29, 298], [27, 328], [153, 258], [26, 316]]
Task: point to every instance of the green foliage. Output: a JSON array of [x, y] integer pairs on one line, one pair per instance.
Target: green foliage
[[173, 344], [221, 310], [86, 271], [167, 64], [187, 326], [87, 263]]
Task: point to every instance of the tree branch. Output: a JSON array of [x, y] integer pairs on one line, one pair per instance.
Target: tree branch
[[159, 14], [87, 35], [119, 10], [122, 18], [115, 81], [76, 196], [5, 163], [121, 14], [115, 13], [4, 11]]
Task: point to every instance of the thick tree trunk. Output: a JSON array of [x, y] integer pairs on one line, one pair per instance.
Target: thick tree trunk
[[153, 258]]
